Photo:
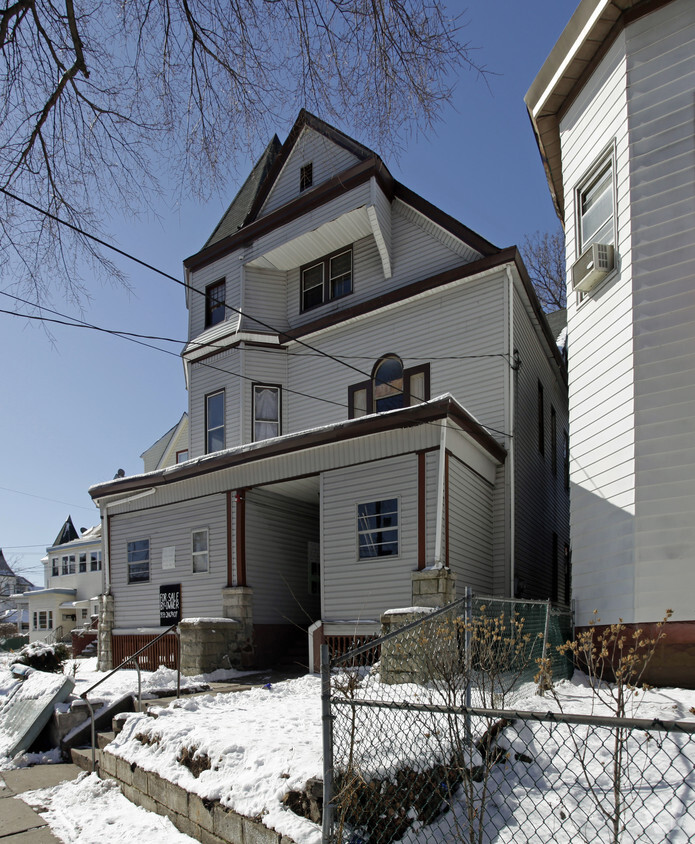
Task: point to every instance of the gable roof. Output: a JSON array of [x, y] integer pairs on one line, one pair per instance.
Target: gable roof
[[159, 448], [239, 208], [67, 533], [369, 164], [5, 570]]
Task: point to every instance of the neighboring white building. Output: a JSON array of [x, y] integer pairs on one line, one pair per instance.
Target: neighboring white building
[[375, 398], [613, 110], [73, 581], [170, 449], [12, 587]]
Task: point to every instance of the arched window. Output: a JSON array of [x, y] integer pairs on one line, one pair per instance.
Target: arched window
[[387, 380], [391, 386]]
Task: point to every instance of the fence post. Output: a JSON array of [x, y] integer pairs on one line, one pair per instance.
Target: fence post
[[469, 662], [327, 724]]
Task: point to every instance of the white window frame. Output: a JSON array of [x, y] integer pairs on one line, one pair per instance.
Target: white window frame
[[607, 159], [82, 563], [55, 566], [363, 530], [95, 557], [197, 556], [277, 389], [130, 562]]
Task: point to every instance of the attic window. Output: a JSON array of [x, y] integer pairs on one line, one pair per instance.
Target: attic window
[[306, 176], [214, 303]]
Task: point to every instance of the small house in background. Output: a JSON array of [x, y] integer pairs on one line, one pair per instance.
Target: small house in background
[[12, 587], [170, 449], [612, 108], [73, 582], [378, 418]]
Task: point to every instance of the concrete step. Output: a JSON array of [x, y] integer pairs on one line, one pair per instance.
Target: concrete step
[[104, 738], [82, 757]]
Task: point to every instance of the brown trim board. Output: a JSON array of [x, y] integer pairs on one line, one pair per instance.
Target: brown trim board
[[348, 429], [421, 510], [230, 567], [241, 537]]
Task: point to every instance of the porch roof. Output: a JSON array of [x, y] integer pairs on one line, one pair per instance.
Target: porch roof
[[443, 407]]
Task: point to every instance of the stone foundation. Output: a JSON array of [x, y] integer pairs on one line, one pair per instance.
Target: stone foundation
[[208, 644], [399, 662], [104, 647], [237, 603], [433, 587]]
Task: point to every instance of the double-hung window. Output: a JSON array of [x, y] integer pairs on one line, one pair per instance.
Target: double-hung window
[[266, 411], [139, 561], [95, 560], [199, 550], [55, 567], [377, 529], [214, 422], [83, 563], [214, 303], [596, 207], [327, 278]]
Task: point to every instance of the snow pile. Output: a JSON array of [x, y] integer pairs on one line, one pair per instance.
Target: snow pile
[[261, 744], [89, 809]]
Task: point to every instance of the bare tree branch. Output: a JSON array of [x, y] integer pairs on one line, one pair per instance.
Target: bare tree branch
[[544, 256]]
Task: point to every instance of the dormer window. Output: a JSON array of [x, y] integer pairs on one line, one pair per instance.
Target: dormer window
[[327, 278], [306, 176], [390, 387], [214, 303]]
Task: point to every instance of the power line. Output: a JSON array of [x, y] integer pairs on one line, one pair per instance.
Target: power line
[[190, 287], [43, 498]]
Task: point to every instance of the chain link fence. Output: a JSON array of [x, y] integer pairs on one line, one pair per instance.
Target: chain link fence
[[426, 745]]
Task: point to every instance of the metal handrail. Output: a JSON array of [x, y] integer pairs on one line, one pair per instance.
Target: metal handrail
[[133, 659]]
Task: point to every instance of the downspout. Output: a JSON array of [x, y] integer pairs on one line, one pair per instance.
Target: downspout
[[104, 506], [510, 435], [441, 485]]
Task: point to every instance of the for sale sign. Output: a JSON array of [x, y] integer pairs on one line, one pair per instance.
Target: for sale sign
[[169, 604]]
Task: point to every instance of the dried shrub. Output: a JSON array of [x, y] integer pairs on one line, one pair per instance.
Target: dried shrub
[[43, 657], [195, 760]]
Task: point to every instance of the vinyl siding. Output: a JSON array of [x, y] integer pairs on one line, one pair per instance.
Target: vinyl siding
[[215, 373], [470, 529], [362, 589], [661, 76], [601, 375], [277, 532], [328, 160], [262, 366], [469, 320], [541, 501], [265, 294], [137, 604]]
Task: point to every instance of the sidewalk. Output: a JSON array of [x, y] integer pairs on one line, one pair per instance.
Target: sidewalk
[[19, 823]]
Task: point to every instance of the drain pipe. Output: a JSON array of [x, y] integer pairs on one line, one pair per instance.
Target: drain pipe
[[441, 485], [510, 437]]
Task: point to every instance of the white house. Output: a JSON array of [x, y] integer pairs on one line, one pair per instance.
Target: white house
[[377, 408], [169, 449], [73, 581], [613, 111]]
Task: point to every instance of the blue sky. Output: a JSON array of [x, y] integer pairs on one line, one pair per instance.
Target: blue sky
[[80, 405]]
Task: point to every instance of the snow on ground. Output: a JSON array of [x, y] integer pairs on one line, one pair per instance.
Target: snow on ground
[[89, 809]]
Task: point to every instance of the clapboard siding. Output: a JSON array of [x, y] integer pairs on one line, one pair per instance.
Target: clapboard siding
[[227, 268], [362, 589], [469, 320], [137, 604], [542, 502], [470, 529], [262, 366], [265, 293], [328, 160], [278, 531], [601, 357], [431, 490], [661, 74], [218, 372]]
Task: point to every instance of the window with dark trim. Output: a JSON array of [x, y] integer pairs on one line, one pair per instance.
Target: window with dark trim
[[306, 176], [390, 386], [83, 563], [95, 561], [567, 554], [266, 411], [214, 303], [182, 455], [377, 529], [326, 279], [541, 420], [214, 422], [139, 561], [566, 459], [553, 440], [55, 567]]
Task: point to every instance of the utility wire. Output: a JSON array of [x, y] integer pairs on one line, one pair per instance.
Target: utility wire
[[43, 498], [190, 287]]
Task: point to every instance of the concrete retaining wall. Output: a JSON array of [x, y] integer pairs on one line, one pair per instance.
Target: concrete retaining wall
[[205, 820]]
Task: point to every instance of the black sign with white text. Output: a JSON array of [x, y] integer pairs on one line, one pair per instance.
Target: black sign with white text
[[169, 604]]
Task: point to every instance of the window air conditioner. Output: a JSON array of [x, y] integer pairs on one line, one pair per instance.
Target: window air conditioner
[[593, 265]]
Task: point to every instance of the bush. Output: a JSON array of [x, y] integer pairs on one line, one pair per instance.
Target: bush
[[43, 657]]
